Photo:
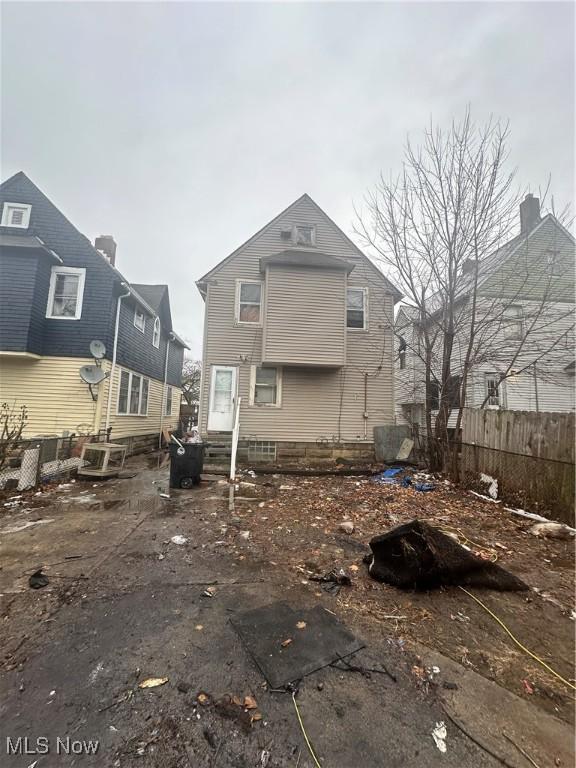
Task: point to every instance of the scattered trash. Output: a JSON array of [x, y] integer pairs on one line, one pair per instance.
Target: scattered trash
[[179, 539], [486, 498], [387, 476], [38, 579], [161, 556], [244, 534], [405, 449], [199, 627], [527, 687], [333, 580], [492, 483], [286, 642], [264, 758], [203, 699], [209, 592], [153, 682], [552, 531], [287, 487], [418, 556], [439, 735], [164, 495], [346, 526], [28, 524], [300, 625]]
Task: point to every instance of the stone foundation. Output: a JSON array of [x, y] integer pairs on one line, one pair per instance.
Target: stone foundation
[[301, 454]]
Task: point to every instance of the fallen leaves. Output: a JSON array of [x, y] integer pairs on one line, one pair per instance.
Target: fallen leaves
[[301, 625], [250, 702]]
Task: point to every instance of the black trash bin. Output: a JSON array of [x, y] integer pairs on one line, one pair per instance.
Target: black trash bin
[[186, 464]]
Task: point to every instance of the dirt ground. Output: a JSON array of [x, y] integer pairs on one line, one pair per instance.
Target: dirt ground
[[125, 603], [295, 521]]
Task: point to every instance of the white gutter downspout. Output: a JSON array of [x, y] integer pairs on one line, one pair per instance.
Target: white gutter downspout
[[163, 404], [114, 351]]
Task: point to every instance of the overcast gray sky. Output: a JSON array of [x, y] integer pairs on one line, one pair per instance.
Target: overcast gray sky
[[182, 128]]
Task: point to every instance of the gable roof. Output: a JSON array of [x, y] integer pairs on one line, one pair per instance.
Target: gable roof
[[150, 297], [201, 283]]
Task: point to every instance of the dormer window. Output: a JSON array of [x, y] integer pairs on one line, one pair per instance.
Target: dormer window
[[139, 320], [156, 334], [16, 215], [304, 234]]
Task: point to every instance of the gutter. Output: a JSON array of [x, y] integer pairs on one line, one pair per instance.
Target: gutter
[[114, 352]]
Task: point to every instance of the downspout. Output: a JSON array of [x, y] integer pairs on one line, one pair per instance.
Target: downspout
[[163, 403], [365, 414], [114, 352]]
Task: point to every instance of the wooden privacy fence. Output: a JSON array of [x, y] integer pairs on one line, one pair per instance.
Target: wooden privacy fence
[[531, 455]]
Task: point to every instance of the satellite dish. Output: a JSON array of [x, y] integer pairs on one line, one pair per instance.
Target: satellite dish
[[92, 374], [97, 349]]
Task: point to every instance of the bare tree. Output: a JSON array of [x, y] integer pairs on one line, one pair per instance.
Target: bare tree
[[12, 423], [434, 229], [191, 373]]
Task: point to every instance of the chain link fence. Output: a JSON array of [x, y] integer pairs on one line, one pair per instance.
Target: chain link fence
[[29, 462]]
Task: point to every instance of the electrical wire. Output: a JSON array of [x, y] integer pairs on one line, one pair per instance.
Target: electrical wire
[[306, 739], [518, 643]]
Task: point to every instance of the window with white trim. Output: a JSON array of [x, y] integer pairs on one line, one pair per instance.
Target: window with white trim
[[156, 333], [65, 293], [249, 302], [304, 234], [168, 402], [513, 322], [493, 390], [16, 215], [132, 394], [139, 320], [356, 308], [265, 386]]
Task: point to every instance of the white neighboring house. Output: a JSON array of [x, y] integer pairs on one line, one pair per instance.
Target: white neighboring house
[[509, 297]]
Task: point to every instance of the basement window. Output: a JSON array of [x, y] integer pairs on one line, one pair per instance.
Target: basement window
[[261, 450], [16, 215]]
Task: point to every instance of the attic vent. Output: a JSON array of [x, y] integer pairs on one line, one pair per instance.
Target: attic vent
[[286, 234]]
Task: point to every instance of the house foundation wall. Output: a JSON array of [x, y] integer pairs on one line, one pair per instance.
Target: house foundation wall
[[284, 453]]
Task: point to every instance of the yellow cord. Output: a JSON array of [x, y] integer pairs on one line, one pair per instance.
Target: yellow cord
[[518, 643], [304, 732]]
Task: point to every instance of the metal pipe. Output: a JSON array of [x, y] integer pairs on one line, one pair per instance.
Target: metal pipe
[[365, 406], [162, 405], [536, 388], [114, 352]]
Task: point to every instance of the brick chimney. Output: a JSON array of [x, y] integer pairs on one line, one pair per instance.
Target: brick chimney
[[106, 245], [529, 213]]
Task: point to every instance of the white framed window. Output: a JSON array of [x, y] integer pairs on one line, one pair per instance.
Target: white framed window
[[304, 234], [65, 293], [156, 333], [139, 320], [265, 386], [132, 394], [16, 215], [168, 402], [356, 308], [553, 262], [249, 302], [493, 390], [513, 322]]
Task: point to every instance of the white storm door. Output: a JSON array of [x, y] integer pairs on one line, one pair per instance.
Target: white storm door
[[222, 398]]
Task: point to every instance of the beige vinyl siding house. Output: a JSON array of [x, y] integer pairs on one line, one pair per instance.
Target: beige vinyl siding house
[[307, 382]]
